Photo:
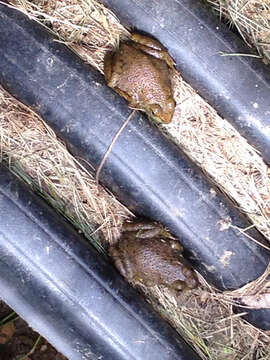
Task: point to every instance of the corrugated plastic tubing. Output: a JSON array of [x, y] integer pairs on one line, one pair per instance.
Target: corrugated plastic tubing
[[66, 291], [145, 170], [237, 86]]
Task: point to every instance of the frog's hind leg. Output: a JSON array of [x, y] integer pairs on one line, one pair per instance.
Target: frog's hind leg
[[143, 228], [123, 266], [152, 47], [140, 224], [147, 229], [147, 41]]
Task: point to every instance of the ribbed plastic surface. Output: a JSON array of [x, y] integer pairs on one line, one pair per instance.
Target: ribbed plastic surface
[[144, 170], [237, 86], [67, 292]]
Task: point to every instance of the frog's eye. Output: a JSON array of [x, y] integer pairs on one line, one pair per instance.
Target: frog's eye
[[156, 110], [170, 105]]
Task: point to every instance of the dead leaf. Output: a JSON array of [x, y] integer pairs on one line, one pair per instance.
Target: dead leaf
[[6, 332]]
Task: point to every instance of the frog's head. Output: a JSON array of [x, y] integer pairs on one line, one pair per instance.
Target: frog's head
[[162, 114]]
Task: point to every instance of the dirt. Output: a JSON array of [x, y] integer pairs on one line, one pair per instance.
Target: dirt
[[21, 339]]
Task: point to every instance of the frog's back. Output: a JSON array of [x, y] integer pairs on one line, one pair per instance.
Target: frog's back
[[155, 261], [145, 78]]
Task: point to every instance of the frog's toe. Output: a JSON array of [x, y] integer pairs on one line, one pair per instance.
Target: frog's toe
[[187, 272], [175, 245], [120, 266], [136, 279], [192, 282], [191, 278], [179, 285], [169, 60]]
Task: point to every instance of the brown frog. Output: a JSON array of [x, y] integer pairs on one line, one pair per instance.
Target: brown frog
[[147, 252], [140, 72]]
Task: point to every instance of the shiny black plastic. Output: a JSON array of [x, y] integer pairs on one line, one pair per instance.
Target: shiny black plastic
[[67, 292], [145, 170], [237, 86]]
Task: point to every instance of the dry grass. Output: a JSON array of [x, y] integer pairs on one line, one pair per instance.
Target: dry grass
[[34, 152], [85, 26], [226, 156], [252, 20], [204, 316]]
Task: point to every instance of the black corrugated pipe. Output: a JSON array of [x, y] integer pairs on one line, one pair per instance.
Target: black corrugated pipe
[[145, 170], [238, 87], [66, 291]]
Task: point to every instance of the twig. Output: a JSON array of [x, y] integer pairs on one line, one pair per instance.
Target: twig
[[223, 53], [111, 146]]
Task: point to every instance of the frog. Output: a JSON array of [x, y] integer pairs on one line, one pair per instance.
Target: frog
[[140, 70], [147, 252]]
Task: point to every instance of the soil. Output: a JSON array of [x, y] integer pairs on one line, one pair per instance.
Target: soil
[[20, 340]]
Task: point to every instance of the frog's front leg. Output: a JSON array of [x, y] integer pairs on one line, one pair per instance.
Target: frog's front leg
[[131, 103], [113, 64], [176, 246], [152, 47]]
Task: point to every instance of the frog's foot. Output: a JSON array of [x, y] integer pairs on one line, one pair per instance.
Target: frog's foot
[[191, 279], [122, 266], [175, 245], [192, 282], [152, 47], [136, 279], [179, 285]]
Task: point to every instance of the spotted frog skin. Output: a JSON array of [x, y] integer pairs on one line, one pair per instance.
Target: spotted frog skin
[[147, 252], [140, 72]]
